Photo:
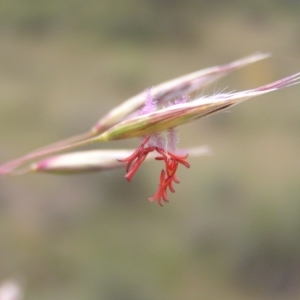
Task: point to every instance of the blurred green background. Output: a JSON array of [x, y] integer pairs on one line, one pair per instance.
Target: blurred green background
[[231, 231]]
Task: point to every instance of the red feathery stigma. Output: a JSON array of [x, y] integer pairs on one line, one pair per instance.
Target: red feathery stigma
[[136, 158], [167, 175]]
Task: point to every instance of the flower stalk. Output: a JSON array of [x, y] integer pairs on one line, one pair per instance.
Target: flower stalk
[[152, 116]]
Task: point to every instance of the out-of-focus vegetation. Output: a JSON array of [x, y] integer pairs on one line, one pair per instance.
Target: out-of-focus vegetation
[[231, 230]]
